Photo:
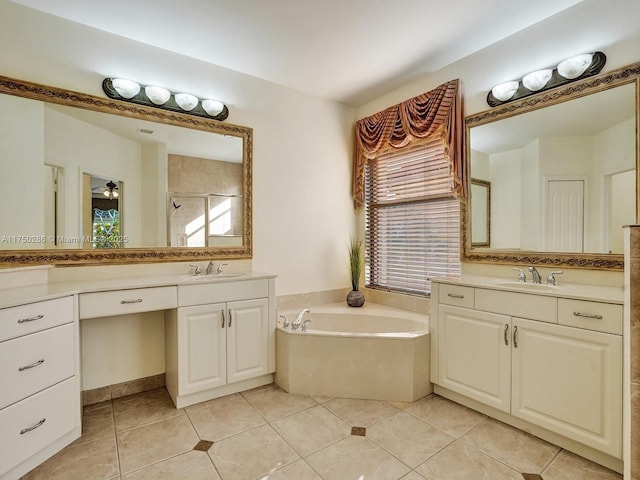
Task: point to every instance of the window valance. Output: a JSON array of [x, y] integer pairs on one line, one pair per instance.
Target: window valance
[[438, 112]]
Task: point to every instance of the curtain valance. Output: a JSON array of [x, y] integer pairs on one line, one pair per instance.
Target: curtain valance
[[436, 112]]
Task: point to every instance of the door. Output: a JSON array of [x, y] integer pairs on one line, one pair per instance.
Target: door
[[565, 216], [475, 354], [202, 349], [247, 339], [569, 381]]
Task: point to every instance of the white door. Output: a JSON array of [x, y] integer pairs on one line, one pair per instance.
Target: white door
[[475, 354], [247, 339], [569, 381], [565, 216], [202, 349]]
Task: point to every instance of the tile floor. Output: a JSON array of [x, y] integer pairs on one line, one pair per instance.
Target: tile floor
[[267, 434]]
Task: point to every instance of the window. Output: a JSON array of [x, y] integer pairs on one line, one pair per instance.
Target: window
[[412, 218]]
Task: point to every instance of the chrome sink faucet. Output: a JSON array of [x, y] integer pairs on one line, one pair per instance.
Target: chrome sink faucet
[[535, 275], [209, 269], [298, 321]]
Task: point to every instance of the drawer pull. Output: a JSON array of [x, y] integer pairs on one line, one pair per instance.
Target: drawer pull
[[28, 429], [223, 317], [587, 315], [506, 334], [35, 364], [125, 302], [31, 319], [455, 295], [230, 314]]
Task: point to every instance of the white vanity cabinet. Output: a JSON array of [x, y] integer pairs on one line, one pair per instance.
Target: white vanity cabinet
[[220, 340], [40, 411], [555, 363]]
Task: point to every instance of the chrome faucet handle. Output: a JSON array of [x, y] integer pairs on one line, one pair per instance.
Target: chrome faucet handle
[[522, 277], [551, 279], [220, 268], [209, 269], [285, 321], [304, 324], [197, 270]]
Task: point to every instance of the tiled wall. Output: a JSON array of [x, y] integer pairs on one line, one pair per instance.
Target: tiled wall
[[632, 268]]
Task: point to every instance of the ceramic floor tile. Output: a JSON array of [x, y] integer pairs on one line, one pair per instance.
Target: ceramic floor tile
[[459, 461], [251, 454], [321, 398], [567, 466], [97, 423], [208, 403], [96, 460], [412, 476], [218, 420], [191, 465], [516, 448], [446, 415], [143, 408], [408, 438], [299, 470], [146, 445], [312, 429], [356, 458], [274, 404], [360, 413]]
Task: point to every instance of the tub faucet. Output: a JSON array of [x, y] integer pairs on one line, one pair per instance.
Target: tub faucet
[[285, 321], [298, 321], [535, 275]]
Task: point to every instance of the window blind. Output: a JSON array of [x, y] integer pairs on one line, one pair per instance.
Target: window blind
[[412, 218]]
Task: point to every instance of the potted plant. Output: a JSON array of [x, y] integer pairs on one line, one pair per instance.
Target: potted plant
[[355, 298]]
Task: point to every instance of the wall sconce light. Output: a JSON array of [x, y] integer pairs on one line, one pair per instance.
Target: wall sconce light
[[154, 96], [569, 70]]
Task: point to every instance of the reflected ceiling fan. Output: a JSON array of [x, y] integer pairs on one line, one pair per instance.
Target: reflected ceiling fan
[[110, 190]]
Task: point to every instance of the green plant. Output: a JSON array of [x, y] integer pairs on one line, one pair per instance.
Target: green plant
[[355, 262]]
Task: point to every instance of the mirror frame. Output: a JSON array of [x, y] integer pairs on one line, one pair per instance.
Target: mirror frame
[[588, 86], [34, 91]]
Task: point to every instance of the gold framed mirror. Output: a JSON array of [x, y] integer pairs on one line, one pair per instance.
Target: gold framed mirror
[[64, 153], [563, 169]]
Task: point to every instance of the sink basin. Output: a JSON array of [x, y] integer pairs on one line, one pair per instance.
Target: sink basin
[[216, 276], [531, 287]]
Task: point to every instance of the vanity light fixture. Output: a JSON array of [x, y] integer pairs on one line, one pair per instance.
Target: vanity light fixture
[[569, 70], [155, 96]]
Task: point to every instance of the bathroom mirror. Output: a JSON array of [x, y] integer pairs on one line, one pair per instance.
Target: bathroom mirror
[[64, 153], [563, 172]]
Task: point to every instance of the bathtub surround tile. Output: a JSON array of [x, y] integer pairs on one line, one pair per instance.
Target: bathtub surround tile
[[360, 412], [275, 403], [221, 419], [303, 300], [354, 458], [158, 441], [408, 438], [516, 448], [251, 454], [190, 465], [567, 466], [311, 430], [448, 416], [463, 462], [96, 460], [144, 408]]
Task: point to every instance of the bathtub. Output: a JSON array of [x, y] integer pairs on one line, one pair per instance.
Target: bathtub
[[372, 352]]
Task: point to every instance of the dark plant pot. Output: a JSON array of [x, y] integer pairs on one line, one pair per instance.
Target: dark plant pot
[[355, 298]]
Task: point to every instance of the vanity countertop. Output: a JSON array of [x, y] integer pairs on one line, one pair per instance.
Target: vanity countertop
[[575, 291], [10, 297]]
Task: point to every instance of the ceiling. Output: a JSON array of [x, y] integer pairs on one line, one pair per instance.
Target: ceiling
[[351, 51]]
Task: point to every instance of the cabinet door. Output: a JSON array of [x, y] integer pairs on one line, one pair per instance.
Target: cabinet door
[[475, 354], [247, 339], [569, 380], [202, 350]]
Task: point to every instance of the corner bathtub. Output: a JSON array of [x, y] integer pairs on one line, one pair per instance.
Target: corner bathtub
[[372, 352]]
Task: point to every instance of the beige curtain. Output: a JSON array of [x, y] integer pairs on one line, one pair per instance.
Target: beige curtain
[[436, 112]]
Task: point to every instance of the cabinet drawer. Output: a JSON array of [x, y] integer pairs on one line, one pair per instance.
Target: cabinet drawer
[[34, 362], [524, 305], [221, 292], [602, 317], [25, 319], [456, 295], [32, 424], [121, 302]]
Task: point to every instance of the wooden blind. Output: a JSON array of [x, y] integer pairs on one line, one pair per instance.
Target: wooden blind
[[412, 218]]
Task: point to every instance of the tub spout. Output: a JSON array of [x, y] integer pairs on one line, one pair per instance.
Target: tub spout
[[298, 321]]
